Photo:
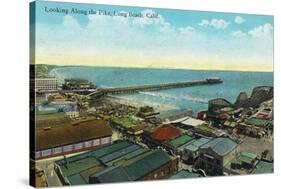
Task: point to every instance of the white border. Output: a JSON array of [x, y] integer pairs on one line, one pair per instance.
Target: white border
[[14, 92]]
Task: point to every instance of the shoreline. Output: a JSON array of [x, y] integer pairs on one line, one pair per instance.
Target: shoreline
[[138, 104], [194, 105]]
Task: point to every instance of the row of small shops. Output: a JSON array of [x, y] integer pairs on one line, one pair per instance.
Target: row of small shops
[[202, 146], [193, 149]]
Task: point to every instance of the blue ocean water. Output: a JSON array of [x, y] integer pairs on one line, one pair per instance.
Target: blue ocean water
[[195, 98]]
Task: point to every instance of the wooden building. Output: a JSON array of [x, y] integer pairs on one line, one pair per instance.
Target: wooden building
[[76, 137]]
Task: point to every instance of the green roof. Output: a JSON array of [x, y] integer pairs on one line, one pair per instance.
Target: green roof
[[127, 157], [134, 159], [181, 140], [140, 168], [263, 167], [119, 154], [195, 144], [88, 160], [87, 173], [132, 170], [126, 122], [111, 174], [120, 161], [76, 180], [257, 122], [249, 155], [96, 153], [184, 174], [246, 157], [109, 149], [77, 166]]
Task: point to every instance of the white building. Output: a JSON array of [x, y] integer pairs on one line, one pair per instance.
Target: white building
[[46, 84]]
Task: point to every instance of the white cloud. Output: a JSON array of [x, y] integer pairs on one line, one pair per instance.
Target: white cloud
[[238, 33], [215, 23], [120, 35], [159, 22], [186, 30], [204, 23], [239, 20], [138, 21], [69, 21], [262, 31], [130, 23]]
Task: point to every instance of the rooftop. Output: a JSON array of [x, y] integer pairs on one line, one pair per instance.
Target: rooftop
[[53, 119], [257, 122], [80, 167], [63, 135], [76, 80], [184, 174], [74, 167], [45, 78], [181, 140], [180, 119], [134, 170], [128, 157], [165, 132], [249, 155], [96, 153], [152, 161], [120, 161], [119, 154], [193, 122], [230, 123], [246, 157], [206, 130], [126, 122], [110, 174], [137, 128], [221, 146], [76, 180], [196, 144], [263, 167]]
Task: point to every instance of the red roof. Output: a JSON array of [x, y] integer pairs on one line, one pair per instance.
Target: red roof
[[165, 132]]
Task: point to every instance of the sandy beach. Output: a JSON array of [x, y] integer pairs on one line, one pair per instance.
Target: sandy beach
[[138, 104]]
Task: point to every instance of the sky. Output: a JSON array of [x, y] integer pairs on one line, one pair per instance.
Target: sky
[[171, 39]]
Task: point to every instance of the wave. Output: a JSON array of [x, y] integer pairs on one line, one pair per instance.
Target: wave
[[196, 99], [163, 96], [176, 98], [146, 102]]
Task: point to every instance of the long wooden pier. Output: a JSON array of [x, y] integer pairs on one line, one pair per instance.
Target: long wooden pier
[[154, 87]]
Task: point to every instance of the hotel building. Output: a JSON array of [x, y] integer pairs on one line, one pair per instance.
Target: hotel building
[[46, 84]]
